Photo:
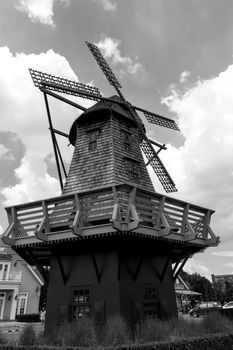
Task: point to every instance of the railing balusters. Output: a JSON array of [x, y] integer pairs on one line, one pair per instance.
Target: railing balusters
[[93, 208]]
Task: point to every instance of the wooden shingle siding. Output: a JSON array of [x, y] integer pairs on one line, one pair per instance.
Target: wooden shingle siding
[[91, 168], [121, 155], [107, 164]]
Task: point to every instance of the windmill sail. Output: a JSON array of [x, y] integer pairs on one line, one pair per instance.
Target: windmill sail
[[70, 87]]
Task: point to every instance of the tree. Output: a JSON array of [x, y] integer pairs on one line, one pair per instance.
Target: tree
[[199, 284]]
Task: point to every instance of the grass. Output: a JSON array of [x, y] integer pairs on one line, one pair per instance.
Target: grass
[[83, 333], [80, 333], [116, 331], [28, 336]]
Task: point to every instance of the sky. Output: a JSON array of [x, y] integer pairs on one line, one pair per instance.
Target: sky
[[173, 57]]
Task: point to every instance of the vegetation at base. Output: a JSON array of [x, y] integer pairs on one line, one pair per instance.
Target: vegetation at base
[[28, 336], [80, 333], [212, 332], [116, 331]]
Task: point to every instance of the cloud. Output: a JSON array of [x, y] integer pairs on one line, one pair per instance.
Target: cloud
[[224, 253], [23, 113], [203, 167], [184, 76], [34, 181], [110, 49], [5, 153], [39, 10], [107, 5], [230, 264], [195, 265]]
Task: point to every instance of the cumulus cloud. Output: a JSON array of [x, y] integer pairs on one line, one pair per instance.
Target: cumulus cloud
[[23, 112], [5, 153], [203, 166], [41, 11], [107, 5], [184, 76], [34, 181], [224, 253], [195, 265], [110, 49]]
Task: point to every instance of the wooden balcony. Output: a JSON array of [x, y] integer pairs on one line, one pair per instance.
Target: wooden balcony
[[121, 208]]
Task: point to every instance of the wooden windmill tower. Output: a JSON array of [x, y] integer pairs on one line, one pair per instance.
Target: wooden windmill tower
[[113, 244]]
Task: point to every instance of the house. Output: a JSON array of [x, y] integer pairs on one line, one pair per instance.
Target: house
[[222, 281], [20, 285], [184, 295]]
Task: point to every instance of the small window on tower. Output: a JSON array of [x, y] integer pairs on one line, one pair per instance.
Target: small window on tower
[[93, 139], [126, 139], [133, 168]]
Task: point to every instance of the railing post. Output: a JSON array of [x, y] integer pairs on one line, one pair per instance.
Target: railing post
[[160, 211], [184, 218], [45, 214], [9, 234], [206, 223], [77, 223], [43, 228]]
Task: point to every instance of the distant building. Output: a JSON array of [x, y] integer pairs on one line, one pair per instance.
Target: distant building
[[222, 280], [20, 285], [184, 294]]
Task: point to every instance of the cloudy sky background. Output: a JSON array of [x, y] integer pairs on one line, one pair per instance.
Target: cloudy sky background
[[173, 57]]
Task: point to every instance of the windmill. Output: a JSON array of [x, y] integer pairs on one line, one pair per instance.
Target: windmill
[[50, 84], [112, 244]]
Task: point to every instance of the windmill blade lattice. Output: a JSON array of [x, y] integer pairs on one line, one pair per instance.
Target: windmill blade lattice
[[162, 121], [105, 67], [70, 87], [158, 166], [152, 156]]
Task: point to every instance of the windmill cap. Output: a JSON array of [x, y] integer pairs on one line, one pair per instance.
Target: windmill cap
[[104, 107]]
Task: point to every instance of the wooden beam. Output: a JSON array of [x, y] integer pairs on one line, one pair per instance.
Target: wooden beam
[[181, 266], [119, 258], [97, 271], [39, 267], [136, 273], [165, 267], [63, 99], [64, 276]]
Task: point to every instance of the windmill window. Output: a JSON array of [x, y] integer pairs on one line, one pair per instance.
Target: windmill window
[[150, 302], [133, 169], [93, 134], [81, 303], [126, 139]]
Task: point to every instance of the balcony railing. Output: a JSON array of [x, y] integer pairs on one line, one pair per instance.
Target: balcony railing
[[123, 207], [14, 276]]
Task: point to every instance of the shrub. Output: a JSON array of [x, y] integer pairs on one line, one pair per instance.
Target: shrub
[[28, 318], [117, 331], [80, 333], [183, 328], [153, 330], [3, 339], [28, 336], [216, 323]]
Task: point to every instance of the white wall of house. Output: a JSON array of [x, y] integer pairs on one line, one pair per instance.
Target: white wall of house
[[20, 286]]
